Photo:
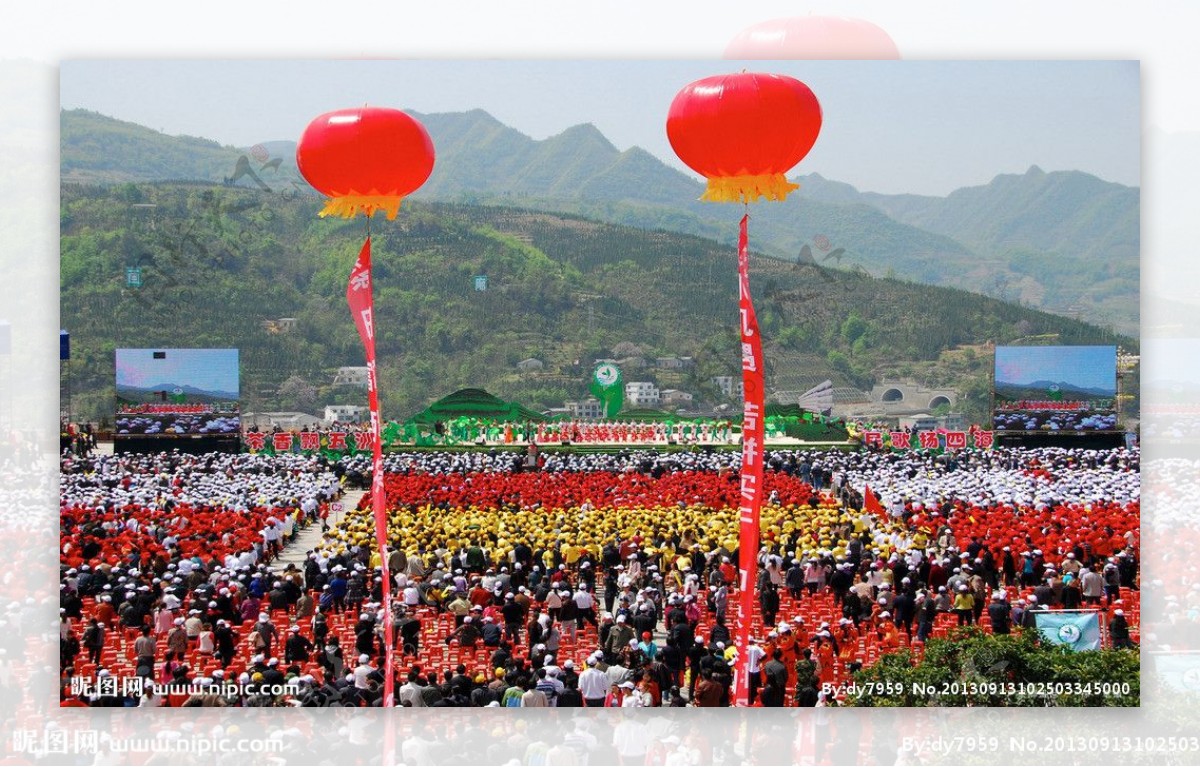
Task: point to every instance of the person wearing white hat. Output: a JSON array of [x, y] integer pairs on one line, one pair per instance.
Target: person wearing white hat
[[1028, 619], [1118, 631], [177, 639], [192, 625], [618, 637], [964, 606], [1000, 613], [363, 672], [585, 605]]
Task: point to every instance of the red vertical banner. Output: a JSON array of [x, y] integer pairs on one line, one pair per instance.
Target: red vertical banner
[[752, 465], [362, 308]]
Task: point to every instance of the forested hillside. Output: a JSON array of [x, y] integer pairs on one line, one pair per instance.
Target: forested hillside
[[219, 263], [1064, 242]]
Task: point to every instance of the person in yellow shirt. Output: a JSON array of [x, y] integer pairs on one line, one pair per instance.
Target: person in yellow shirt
[[683, 562], [964, 606], [435, 596], [889, 577], [571, 555], [667, 554]]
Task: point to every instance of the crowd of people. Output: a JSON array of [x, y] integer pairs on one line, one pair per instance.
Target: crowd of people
[[483, 432], [153, 510], [466, 431], [596, 580]]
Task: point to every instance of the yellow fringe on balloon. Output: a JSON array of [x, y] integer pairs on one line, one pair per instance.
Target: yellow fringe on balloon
[[350, 205], [773, 186]]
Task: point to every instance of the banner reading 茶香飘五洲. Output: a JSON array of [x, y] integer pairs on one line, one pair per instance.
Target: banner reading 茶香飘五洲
[[332, 442]]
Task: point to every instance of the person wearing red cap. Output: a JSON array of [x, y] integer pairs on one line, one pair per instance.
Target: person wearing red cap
[[648, 647]]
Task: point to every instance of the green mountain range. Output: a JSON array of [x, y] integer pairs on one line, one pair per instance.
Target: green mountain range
[[1065, 242], [222, 265]]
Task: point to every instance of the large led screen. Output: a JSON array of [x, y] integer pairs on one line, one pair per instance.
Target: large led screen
[[177, 392], [1055, 389]]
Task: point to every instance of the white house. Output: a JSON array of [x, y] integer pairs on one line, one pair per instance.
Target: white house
[[589, 409], [730, 387], [281, 325], [346, 413], [953, 422], [288, 420], [919, 421], [642, 394]]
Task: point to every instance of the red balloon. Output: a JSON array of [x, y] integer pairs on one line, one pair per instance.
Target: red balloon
[[365, 159], [813, 37], [743, 132]]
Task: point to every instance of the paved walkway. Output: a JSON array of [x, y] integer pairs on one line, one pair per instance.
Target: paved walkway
[[308, 538]]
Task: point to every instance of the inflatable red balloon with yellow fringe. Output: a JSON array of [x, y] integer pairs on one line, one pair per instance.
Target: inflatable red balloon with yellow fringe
[[744, 132], [365, 160]]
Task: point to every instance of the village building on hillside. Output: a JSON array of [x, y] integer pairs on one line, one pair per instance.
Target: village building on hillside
[[642, 394], [352, 376]]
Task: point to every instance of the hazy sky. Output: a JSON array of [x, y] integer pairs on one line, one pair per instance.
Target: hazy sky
[[208, 369], [901, 126], [1084, 366]]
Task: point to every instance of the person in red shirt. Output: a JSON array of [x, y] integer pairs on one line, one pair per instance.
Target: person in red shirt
[[825, 661], [729, 572], [708, 691], [105, 612]]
